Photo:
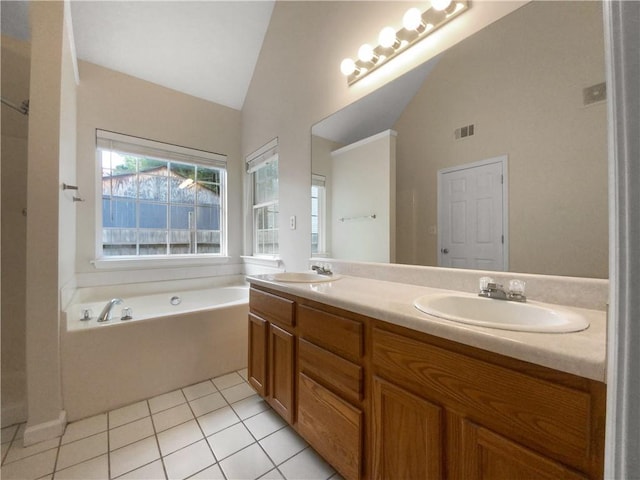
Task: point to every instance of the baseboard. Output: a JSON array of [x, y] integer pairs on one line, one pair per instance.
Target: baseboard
[[45, 431], [14, 413]]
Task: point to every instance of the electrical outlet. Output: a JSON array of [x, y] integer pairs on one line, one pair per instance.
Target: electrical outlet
[[292, 222]]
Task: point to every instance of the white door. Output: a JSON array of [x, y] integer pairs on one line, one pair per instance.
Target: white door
[[472, 215]]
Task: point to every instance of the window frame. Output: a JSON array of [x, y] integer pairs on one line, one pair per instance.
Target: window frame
[[142, 147], [265, 156], [320, 182]]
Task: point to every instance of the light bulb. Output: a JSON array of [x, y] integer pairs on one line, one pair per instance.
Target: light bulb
[[440, 4], [412, 19], [347, 67], [366, 53], [387, 38]]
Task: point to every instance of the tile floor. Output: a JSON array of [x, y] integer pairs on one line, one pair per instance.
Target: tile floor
[[217, 429]]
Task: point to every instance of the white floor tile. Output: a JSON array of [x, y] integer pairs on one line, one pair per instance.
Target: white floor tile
[[199, 390], [95, 469], [81, 450], [247, 464], [30, 468], [179, 437], [5, 449], [172, 417], [85, 428], [133, 456], [336, 476], [152, 471], [21, 430], [283, 444], [188, 461], [130, 433], [307, 465], [18, 452], [128, 414], [211, 473], [238, 392], [272, 475], [228, 380], [250, 406], [244, 373], [230, 440], [207, 404], [264, 423], [218, 420], [166, 400]]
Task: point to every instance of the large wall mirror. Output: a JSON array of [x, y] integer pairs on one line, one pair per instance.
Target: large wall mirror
[[526, 92]]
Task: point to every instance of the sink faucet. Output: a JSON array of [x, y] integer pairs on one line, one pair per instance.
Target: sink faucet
[[105, 315], [490, 289], [322, 269]]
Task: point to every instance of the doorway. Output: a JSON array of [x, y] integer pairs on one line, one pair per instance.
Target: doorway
[[472, 215]]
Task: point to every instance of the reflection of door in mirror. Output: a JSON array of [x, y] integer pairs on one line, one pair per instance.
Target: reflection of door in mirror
[[472, 215]]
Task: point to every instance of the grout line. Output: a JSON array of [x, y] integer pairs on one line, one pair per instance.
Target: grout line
[[155, 434]]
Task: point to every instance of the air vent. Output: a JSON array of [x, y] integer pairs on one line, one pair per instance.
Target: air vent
[[465, 131]]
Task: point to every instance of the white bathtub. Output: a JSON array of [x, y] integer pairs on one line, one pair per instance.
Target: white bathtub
[[164, 347]]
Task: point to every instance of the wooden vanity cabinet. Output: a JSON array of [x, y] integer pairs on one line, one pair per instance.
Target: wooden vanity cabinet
[[380, 401], [271, 367], [331, 388]]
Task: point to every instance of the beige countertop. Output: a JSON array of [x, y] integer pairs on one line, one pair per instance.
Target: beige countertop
[[580, 353]]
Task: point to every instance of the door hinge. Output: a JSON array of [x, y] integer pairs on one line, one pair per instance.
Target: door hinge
[[502, 179], [502, 239]]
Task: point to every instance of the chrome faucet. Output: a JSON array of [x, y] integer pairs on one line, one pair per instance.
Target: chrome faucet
[[490, 289], [105, 315], [322, 269]]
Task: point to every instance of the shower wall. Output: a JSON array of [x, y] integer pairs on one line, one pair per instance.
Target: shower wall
[[15, 88]]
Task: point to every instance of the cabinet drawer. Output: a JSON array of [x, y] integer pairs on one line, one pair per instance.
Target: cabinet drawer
[[337, 334], [331, 426], [332, 370], [553, 418], [271, 307]]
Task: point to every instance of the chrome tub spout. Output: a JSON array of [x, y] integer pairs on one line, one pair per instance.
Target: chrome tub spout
[[105, 315]]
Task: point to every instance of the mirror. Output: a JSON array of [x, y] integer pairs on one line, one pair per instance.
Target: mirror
[[531, 85]]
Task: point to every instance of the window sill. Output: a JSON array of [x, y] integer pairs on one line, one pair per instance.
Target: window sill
[[158, 262], [275, 262]]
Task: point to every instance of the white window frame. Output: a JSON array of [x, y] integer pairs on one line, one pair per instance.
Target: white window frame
[[321, 181], [264, 156], [166, 152]]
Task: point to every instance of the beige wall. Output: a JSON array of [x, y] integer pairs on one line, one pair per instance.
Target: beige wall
[[520, 83], [49, 136], [297, 82], [16, 63], [120, 103]]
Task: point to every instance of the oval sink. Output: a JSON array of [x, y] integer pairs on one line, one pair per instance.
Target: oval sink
[[302, 277], [506, 315]]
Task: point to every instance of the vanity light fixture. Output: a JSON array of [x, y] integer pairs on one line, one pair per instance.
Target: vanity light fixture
[[416, 25]]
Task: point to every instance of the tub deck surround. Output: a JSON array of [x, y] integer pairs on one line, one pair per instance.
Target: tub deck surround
[[579, 353]]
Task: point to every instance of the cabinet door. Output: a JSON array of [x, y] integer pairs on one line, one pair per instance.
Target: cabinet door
[[258, 347], [407, 434], [489, 456], [281, 371], [332, 426]]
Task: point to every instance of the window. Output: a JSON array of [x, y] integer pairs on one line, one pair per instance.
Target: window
[[263, 168], [160, 199], [318, 213]]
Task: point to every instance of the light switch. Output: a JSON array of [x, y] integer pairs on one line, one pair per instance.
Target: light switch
[[292, 222]]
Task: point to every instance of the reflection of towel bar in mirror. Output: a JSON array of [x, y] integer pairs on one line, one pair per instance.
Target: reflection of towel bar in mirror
[[361, 217]]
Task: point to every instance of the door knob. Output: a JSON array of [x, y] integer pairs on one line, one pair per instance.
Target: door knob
[[444, 250]]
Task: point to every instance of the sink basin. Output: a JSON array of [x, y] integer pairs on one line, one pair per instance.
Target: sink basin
[[302, 277], [506, 315]]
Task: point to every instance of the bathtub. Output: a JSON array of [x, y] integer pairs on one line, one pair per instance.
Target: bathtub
[[166, 345]]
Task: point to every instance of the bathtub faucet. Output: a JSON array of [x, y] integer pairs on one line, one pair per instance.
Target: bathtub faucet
[[105, 315]]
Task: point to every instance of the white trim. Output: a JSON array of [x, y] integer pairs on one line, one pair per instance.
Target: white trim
[[68, 23], [504, 161], [622, 65], [158, 261], [274, 261], [263, 156], [46, 430], [364, 141]]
